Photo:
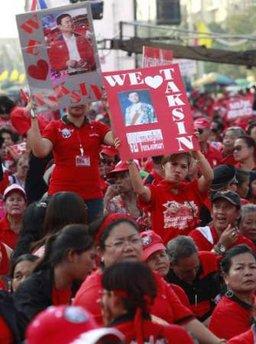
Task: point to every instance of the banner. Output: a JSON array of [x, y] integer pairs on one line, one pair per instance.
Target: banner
[[156, 57], [238, 107], [60, 56], [150, 112]]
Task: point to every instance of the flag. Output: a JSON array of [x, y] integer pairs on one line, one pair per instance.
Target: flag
[[203, 40]]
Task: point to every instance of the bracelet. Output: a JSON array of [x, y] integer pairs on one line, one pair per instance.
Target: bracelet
[[33, 115]]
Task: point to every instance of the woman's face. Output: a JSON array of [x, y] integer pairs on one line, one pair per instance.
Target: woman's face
[[84, 264], [229, 140], [253, 133], [159, 261], [21, 272], [22, 168], [123, 182], [241, 277], [176, 170], [241, 151], [248, 225], [123, 243], [15, 204], [253, 188]]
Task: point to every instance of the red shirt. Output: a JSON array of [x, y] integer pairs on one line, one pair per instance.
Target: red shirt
[[166, 306], [174, 214], [245, 338], [230, 318], [6, 335], [61, 297], [228, 160], [213, 156], [154, 333], [66, 140], [206, 237], [8, 236]]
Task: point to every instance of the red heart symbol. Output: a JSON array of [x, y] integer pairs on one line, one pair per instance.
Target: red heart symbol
[[39, 71]]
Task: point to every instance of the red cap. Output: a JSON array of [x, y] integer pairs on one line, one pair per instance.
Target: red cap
[[202, 123], [109, 150], [14, 188], [121, 166], [151, 243], [61, 324]]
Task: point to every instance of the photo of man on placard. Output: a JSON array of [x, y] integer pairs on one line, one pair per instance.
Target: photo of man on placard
[[137, 107], [70, 49]]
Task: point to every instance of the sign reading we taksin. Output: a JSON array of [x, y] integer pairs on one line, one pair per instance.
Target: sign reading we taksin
[[150, 112]]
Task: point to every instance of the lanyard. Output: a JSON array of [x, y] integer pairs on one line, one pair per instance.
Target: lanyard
[[81, 148]]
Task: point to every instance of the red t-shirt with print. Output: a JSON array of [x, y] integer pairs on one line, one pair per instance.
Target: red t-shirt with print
[[174, 214], [206, 237], [239, 318], [166, 306], [68, 175]]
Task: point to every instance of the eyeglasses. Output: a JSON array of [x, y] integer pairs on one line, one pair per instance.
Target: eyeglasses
[[238, 148], [134, 241]]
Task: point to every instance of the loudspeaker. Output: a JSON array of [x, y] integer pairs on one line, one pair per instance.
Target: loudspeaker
[[168, 12]]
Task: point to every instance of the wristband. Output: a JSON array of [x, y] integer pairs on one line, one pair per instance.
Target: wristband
[[33, 114]]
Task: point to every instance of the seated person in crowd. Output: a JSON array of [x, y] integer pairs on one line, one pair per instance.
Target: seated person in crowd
[[196, 273], [222, 233], [174, 204], [155, 256], [233, 314]]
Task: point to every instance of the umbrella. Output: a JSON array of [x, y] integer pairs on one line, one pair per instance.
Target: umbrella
[[214, 79]]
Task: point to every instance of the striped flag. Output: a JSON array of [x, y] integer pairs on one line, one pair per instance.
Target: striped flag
[[32, 5]]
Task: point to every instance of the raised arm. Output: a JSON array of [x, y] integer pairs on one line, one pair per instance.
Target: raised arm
[[137, 184], [207, 173], [40, 146]]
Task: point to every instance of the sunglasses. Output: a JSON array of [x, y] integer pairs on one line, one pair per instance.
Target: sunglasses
[[238, 148]]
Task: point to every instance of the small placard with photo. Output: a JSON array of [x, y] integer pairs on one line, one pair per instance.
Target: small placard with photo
[[60, 56]]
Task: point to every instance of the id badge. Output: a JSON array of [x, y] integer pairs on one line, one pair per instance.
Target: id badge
[[83, 161]]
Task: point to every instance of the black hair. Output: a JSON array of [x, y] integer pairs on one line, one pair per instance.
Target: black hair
[[234, 251], [8, 131], [181, 247], [95, 226], [23, 258], [6, 104], [61, 16], [250, 127], [136, 280], [72, 237], [64, 208], [249, 141], [31, 227], [157, 159]]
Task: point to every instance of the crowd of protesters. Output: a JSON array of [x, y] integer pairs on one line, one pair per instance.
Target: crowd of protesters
[[94, 249]]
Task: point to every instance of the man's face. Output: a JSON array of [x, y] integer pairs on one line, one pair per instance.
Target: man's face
[[78, 110], [187, 268], [134, 97], [223, 214], [67, 25]]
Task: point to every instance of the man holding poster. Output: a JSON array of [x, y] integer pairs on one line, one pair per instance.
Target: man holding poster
[[75, 143]]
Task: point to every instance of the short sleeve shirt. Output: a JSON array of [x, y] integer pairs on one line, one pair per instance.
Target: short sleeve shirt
[[67, 141], [174, 214]]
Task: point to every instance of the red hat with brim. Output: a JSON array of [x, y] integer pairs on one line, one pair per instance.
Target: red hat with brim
[[202, 123], [121, 166], [151, 243]]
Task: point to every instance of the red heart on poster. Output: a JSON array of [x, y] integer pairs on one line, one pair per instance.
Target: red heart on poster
[[39, 71]]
